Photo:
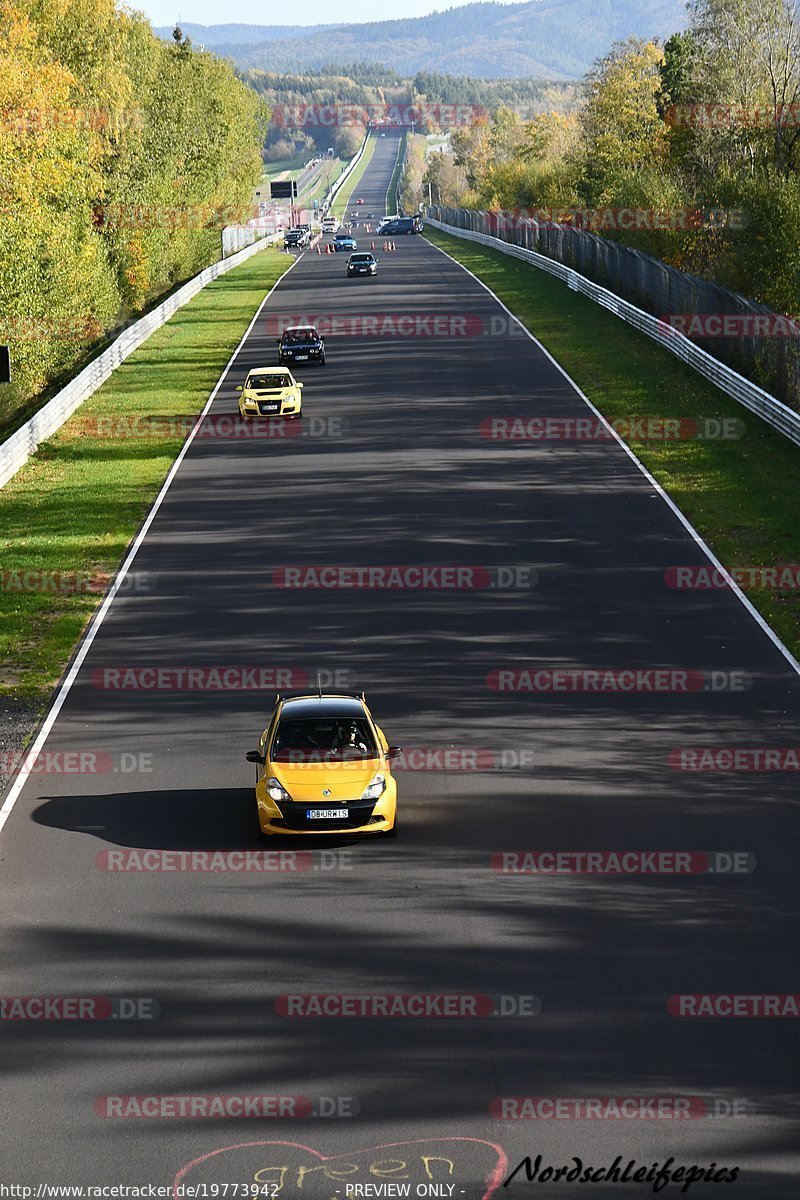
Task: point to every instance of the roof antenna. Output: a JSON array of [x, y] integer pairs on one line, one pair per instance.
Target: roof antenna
[[319, 686]]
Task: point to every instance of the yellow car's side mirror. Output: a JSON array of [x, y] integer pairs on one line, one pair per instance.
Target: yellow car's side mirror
[[238, 387]]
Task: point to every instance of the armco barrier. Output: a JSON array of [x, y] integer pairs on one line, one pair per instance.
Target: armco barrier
[[748, 394], [17, 449]]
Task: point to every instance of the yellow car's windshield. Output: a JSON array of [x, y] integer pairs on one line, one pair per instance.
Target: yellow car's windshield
[[324, 739], [269, 381]]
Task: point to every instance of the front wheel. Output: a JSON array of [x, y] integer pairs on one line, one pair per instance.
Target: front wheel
[[322, 361]]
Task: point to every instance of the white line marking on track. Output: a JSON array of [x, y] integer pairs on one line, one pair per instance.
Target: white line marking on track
[[754, 613], [98, 618]]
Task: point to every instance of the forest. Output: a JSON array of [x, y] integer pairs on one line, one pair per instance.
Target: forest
[[702, 131], [120, 156]]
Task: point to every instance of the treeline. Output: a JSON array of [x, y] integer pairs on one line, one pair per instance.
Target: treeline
[[534, 95], [301, 125], [311, 112], [119, 155], [702, 133]]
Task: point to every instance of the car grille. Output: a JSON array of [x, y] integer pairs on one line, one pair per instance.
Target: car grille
[[294, 814]]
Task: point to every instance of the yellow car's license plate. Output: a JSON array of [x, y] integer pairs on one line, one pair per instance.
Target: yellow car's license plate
[[326, 814]]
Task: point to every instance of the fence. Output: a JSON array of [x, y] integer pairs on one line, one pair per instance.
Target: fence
[[238, 237], [771, 362], [18, 448], [747, 393]]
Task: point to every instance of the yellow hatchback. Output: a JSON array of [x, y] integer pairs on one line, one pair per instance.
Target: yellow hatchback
[[323, 767], [270, 392]]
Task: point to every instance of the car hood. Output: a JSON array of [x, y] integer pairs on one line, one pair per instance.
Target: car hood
[[307, 781], [269, 393]]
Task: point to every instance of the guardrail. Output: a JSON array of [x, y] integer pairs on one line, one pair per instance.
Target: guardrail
[[17, 449], [748, 394]]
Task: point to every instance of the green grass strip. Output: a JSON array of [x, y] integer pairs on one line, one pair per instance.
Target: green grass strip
[[740, 494], [328, 176], [348, 187], [72, 510]]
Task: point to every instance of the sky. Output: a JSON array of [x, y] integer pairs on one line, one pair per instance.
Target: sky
[[307, 12]]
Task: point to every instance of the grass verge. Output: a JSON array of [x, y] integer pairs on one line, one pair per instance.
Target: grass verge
[[282, 167], [740, 493], [69, 514], [345, 192], [330, 172]]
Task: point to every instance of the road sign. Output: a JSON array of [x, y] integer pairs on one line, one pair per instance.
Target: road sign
[[283, 189]]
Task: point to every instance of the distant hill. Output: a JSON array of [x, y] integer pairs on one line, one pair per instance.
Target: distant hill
[[552, 39]]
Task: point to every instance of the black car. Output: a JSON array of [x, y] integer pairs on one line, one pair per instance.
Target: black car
[[398, 225], [362, 264], [301, 343]]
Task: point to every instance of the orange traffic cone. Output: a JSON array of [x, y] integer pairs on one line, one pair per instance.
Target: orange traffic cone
[[318, 249], [394, 245], [385, 247], [373, 245]]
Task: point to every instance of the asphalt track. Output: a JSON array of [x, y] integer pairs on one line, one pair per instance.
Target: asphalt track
[[407, 480]]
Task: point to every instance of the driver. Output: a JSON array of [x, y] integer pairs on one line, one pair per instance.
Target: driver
[[349, 737]]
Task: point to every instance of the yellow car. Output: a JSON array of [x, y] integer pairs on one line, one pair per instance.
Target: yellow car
[[323, 767], [270, 392]]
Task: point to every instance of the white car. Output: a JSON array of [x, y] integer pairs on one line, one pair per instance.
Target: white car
[[330, 224]]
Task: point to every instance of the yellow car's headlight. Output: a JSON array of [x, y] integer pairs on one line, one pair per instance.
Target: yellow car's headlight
[[276, 790], [375, 790]]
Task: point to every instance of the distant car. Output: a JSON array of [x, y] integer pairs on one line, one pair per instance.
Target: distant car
[[360, 200], [270, 392], [323, 766], [362, 264], [344, 241], [301, 343], [330, 224], [383, 135], [400, 225], [296, 239]]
